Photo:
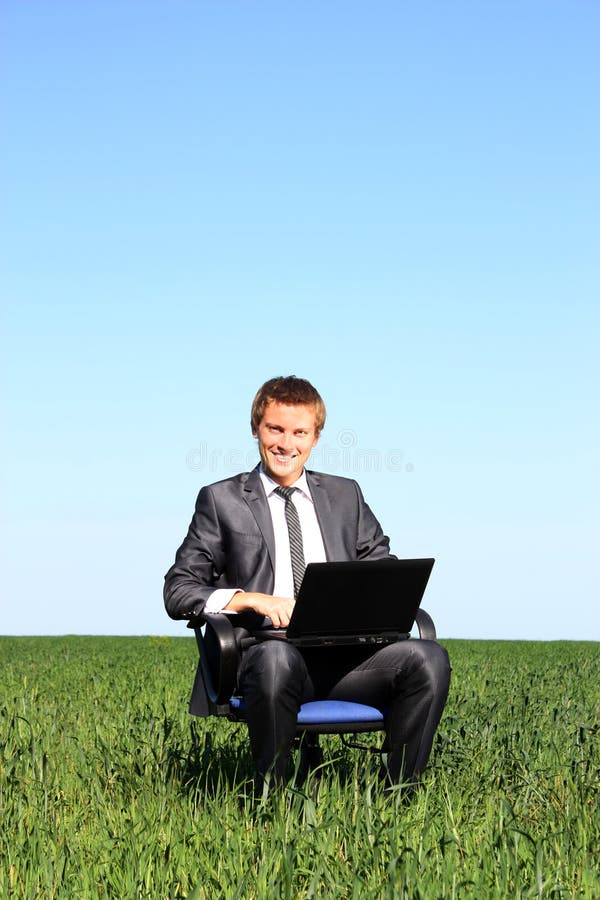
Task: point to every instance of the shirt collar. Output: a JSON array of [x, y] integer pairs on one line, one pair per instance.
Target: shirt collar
[[269, 485]]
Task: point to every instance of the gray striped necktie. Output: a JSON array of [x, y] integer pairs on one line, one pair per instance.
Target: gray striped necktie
[[295, 536]]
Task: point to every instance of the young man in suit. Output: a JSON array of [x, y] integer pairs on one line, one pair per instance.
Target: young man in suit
[[244, 553]]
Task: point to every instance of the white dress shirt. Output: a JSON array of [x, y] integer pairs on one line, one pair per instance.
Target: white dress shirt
[[312, 540]]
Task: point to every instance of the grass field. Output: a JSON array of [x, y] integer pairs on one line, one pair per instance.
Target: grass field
[[109, 789]]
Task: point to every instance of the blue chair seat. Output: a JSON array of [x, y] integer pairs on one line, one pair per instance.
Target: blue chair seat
[[334, 713]]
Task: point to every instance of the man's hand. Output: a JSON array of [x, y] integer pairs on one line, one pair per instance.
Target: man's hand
[[278, 609]]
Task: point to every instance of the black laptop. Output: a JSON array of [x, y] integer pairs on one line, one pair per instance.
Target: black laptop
[[359, 602]]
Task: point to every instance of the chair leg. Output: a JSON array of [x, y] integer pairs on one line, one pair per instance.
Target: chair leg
[[311, 755]]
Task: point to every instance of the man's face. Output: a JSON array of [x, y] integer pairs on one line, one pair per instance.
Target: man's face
[[286, 435]]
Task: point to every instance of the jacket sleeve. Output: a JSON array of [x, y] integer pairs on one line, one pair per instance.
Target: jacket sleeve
[[199, 562]]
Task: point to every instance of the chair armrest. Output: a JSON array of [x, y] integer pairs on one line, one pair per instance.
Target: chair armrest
[[425, 625], [219, 656]]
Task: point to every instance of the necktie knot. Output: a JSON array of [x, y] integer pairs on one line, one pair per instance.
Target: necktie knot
[[285, 492]]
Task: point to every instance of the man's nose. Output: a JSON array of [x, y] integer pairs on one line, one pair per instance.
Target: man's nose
[[285, 441]]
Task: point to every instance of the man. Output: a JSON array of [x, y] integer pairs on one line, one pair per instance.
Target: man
[[244, 552]]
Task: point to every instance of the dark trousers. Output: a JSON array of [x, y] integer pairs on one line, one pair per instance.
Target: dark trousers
[[409, 679]]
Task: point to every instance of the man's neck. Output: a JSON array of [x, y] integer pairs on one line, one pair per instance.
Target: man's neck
[[271, 480]]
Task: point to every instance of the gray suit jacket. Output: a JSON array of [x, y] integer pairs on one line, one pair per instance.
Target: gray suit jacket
[[230, 541]]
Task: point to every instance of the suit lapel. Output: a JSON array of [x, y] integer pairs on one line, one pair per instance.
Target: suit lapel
[[254, 496], [330, 530]]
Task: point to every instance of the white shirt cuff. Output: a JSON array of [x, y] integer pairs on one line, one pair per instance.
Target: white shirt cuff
[[219, 599]]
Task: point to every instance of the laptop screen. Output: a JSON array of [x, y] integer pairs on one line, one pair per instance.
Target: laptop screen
[[358, 598]]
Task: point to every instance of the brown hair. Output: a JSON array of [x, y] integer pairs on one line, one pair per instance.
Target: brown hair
[[291, 391]]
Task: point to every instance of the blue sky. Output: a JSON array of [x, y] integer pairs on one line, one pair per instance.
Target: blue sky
[[398, 201]]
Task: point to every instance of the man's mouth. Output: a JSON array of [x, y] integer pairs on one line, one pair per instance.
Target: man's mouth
[[283, 460]]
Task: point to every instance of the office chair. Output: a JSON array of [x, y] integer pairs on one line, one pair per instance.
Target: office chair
[[220, 644]]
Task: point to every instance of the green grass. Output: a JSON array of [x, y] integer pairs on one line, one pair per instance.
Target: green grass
[[109, 789]]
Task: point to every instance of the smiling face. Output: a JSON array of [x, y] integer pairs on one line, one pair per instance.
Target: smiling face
[[286, 434]]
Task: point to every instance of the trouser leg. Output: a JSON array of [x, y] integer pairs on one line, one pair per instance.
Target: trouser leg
[[411, 680], [273, 681]]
